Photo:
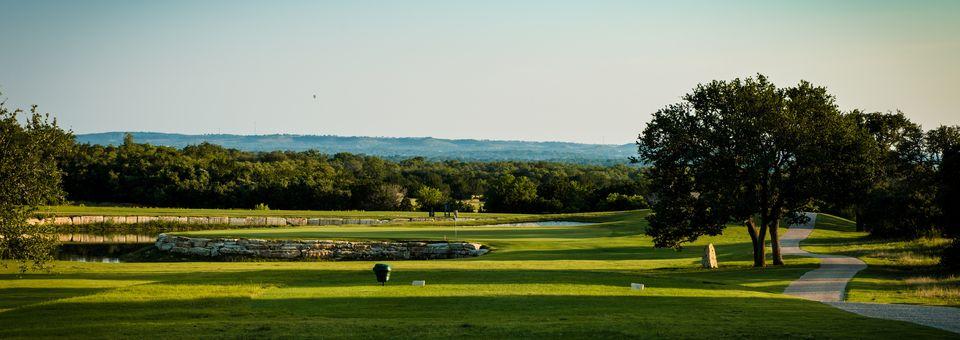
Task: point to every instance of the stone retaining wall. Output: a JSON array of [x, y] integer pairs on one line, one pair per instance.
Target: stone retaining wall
[[238, 221], [225, 248]]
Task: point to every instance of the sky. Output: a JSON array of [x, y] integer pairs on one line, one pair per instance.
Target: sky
[[586, 71]]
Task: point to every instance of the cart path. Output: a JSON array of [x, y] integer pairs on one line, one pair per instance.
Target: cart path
[[828, 284]]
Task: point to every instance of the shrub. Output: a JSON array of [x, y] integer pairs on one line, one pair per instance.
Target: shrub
[[951, 255], [617, 201], [407, 205]]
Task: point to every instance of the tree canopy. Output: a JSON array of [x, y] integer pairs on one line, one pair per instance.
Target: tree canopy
[[29, 176], [747, 151]]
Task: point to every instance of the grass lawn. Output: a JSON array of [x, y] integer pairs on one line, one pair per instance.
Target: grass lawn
[[539, 282], [899, 271], [73, 210]]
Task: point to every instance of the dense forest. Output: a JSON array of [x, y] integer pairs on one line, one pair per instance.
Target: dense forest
[[211, 176]]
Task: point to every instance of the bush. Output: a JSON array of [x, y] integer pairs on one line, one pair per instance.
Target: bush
[[899, 212], [461, 206], [617, 201], [261, 206], [407, 205], [951, 255]]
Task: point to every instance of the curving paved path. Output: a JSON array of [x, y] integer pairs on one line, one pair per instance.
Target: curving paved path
[[828, 284]]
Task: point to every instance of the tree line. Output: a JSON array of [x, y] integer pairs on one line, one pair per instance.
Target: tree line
[[211, 176], [742, 151], [746, 151]]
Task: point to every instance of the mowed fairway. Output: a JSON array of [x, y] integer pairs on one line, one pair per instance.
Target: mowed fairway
[[544, 282]]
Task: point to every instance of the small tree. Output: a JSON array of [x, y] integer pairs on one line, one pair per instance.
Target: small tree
[[385, 197], [430, 198], [746, 151], [29, 177]]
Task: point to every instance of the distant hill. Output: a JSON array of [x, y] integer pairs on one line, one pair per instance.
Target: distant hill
[[389, 147]]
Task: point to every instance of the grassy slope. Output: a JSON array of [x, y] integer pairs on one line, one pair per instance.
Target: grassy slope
[[899, 271], [71, 210], [540, 282]]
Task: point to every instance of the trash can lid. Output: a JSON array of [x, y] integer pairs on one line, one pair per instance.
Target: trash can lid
[[381, 266]]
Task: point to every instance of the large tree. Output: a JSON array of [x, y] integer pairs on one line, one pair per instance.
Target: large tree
[[900, 199], [28, 177], [745, 151], [943, 145]]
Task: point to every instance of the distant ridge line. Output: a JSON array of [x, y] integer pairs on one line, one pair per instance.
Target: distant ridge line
[[390, 147]]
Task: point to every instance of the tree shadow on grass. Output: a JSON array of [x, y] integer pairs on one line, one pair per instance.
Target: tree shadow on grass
[[734, 278], [18, 296], [508, 316]]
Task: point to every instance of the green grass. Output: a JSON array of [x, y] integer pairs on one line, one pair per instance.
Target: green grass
[[73, 210], [899, 271], [537, 283]]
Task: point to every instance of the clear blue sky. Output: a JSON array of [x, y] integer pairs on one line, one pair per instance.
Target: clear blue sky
[[588, 71]]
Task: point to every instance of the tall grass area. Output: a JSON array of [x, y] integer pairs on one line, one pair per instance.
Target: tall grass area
[[899, 271], [539, 282]]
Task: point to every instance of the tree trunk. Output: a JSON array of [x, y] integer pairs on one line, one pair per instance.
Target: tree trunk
[[775, 242], [857, 217], [761, 247], [757, 239]]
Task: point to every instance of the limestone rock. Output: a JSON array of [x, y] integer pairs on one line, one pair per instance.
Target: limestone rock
[[709, 260], [315, 249]]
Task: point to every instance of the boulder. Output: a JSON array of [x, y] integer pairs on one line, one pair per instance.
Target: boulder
[[198, 220], [472, 246], [145, 219], [709, 260]]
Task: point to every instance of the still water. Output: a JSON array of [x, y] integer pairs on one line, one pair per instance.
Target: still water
[[540, 224], [102, 248]]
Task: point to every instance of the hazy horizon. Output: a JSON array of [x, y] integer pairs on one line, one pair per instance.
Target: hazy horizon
[[589, 72], [351, 136]]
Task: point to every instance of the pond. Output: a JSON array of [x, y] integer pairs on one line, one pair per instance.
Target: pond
[[103, 248], [540, 224], [105, 245]]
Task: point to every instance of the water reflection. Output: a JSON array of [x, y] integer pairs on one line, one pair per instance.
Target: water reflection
[[106, 238], [101, 248], [540, 224]]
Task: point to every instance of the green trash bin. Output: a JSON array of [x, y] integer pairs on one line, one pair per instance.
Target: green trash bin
[[383, 272]]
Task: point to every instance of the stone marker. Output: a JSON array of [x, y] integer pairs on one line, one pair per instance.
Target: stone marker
[[709, 260], [636, 286], [420, 283]]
